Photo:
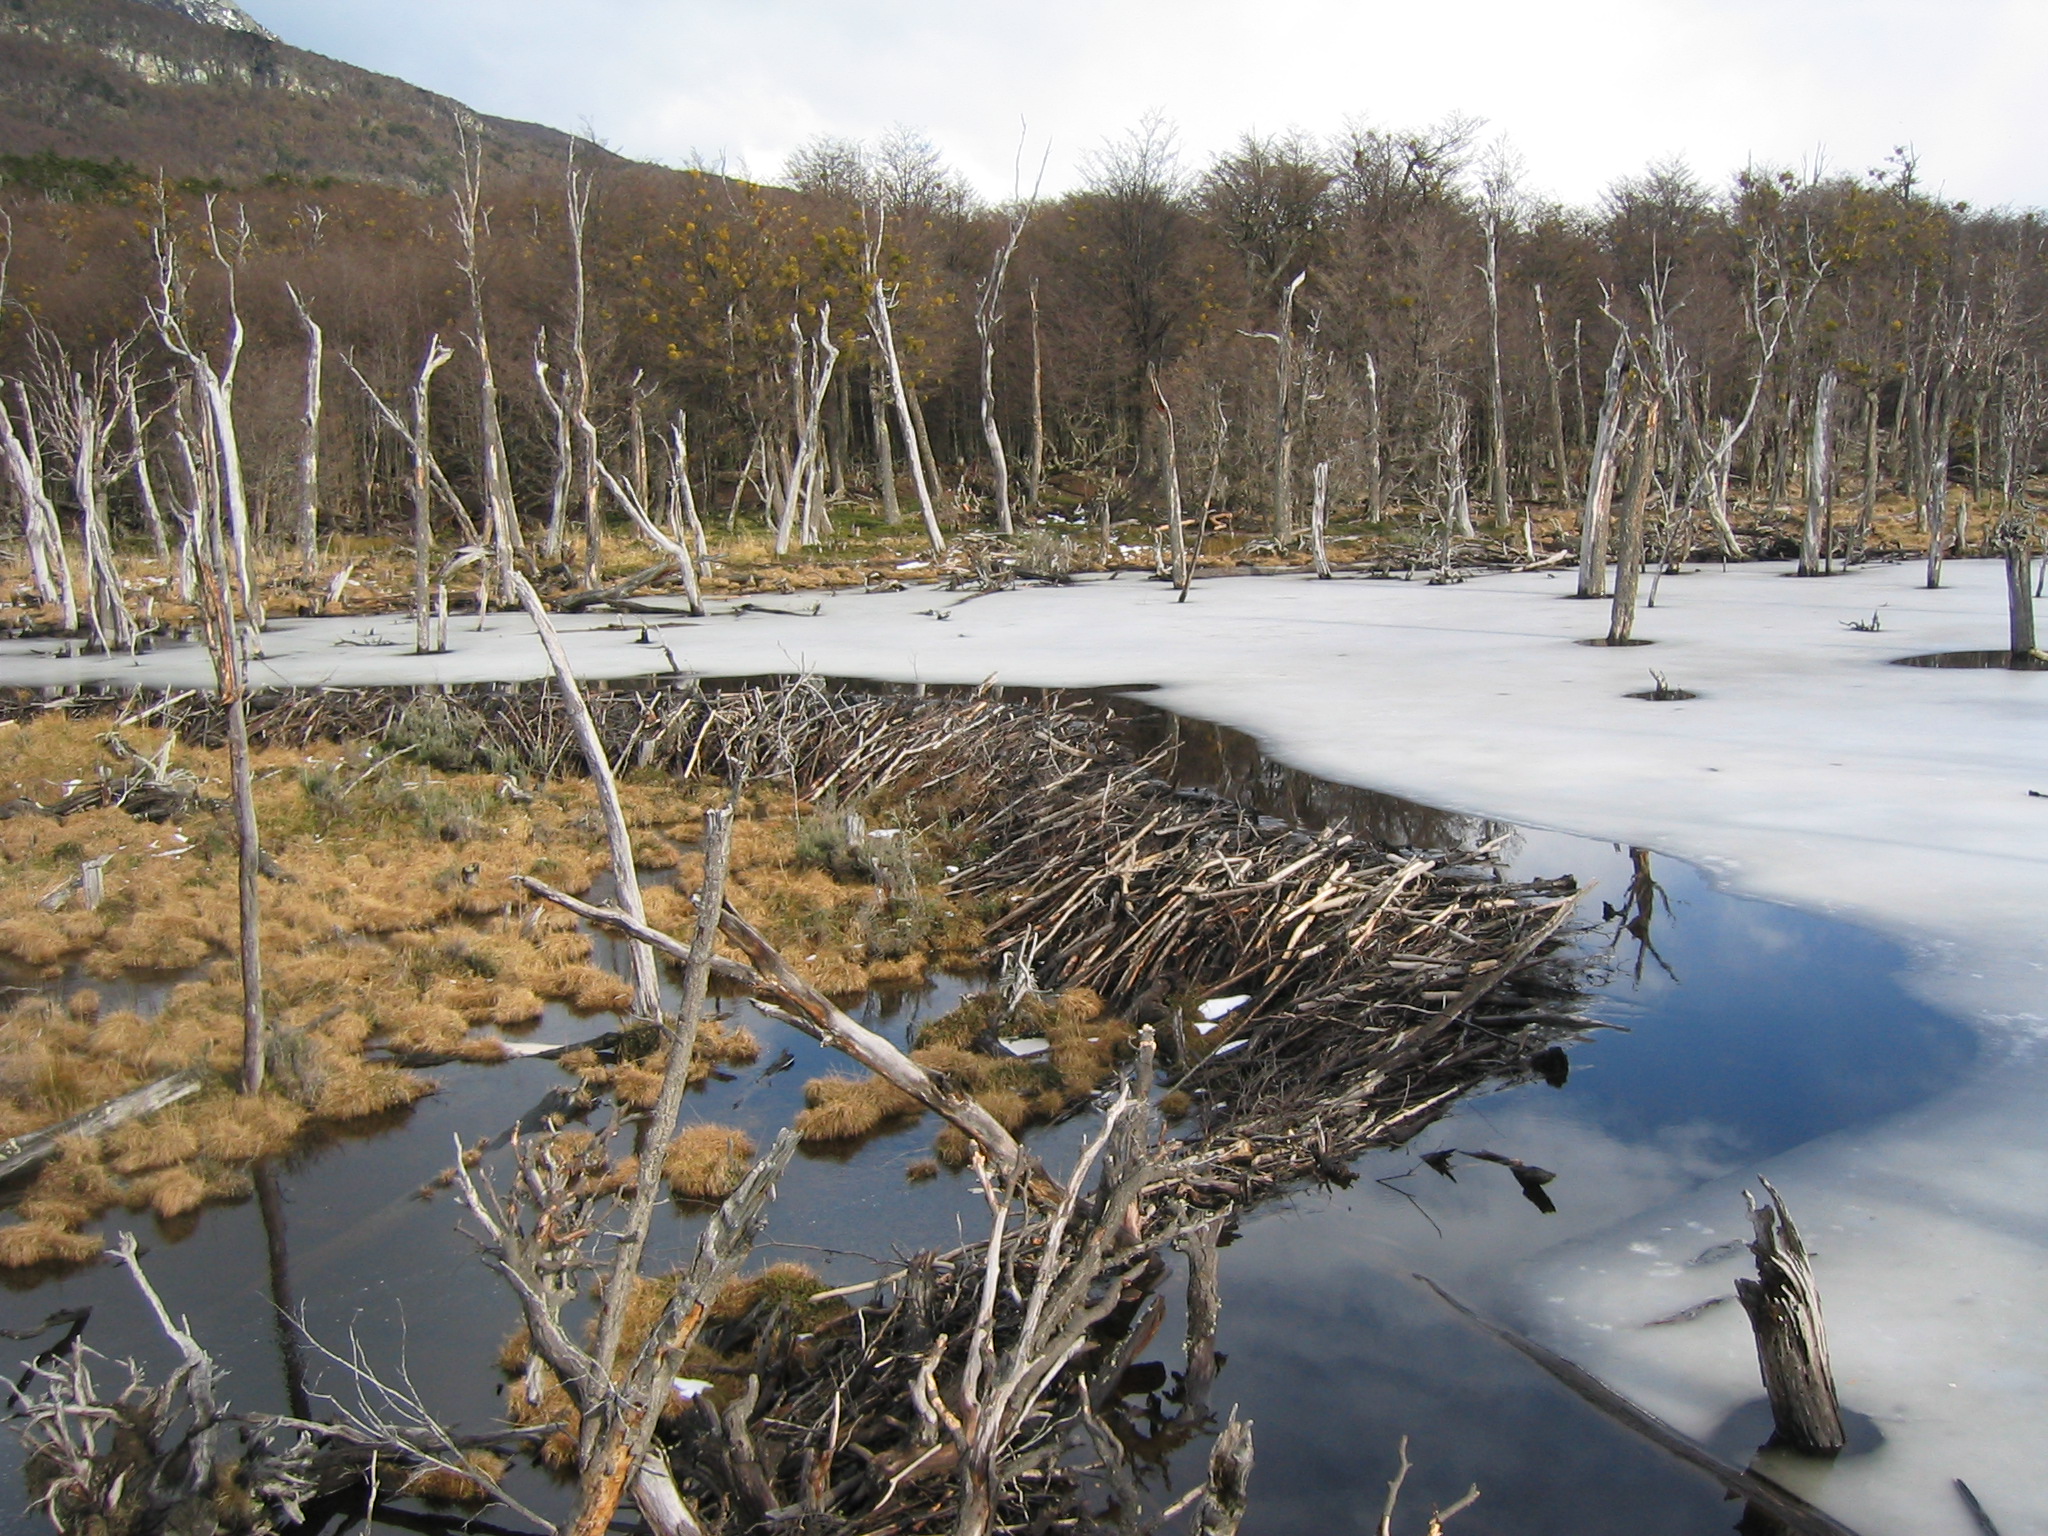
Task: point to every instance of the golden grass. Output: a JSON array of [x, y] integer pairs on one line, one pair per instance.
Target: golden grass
[[707, 1162], [384, 934], [842, 1108]]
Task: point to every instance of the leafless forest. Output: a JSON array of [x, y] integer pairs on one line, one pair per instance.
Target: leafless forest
[[1378, 325]]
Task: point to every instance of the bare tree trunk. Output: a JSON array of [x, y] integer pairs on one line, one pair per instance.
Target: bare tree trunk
[[988, 314], [1600, 479], [1496, 406], [1318, 514], [2019, 591], [41, 532], [1552, 372], [838, 428], [216, 388], [1034, 470], [555, 534], [636, 428], [1629, 570], [1934, 498], [1866, 519], [1375, 456], [679, 440], [810, 377], [1791, 1343], [924, 448], [1183, 574], [306, 512], [885, 456], [1282, 338], [579, 387], [106, 603], [145, 487], [1813, 555], [906, 414]]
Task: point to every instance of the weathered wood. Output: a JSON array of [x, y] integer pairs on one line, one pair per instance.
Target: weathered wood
[[1783, 1304], [1797, 1516], [18, 1154], [1629, 535], [1230, 1476]]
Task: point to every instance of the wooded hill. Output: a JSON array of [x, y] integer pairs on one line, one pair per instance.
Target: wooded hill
[[1385, 314]]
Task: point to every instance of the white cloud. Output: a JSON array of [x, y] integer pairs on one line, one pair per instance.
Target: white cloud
[[1587, 90]]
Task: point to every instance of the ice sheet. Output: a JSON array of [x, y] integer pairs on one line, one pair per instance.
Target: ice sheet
[[1807, 771]]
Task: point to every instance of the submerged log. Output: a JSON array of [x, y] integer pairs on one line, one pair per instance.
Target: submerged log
[[1791, 1344], [18, 1154], [1230, 1476]]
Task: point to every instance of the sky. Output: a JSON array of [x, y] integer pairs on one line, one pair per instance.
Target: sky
[[1582, 91]]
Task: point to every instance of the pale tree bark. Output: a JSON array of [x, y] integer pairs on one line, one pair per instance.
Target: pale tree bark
[[579, 382], [1034, 469], [885, 336], [683, 558], [49, 564], [1453, 428], [929, 455], [988, 314], [216, 389], [1375, 452], [1318, 514], [1553, 371], [1183, 573], [1815, 536], [1497, 405], [1600, 478], [810, 377], [417, 435], [106, 602], [885, 456], [501, 517], [636, 430], [618, 836], [686, 495], [553, 535], [145, 486], [306, 518], [1282, 337], [1940, 424], [1629, 536]]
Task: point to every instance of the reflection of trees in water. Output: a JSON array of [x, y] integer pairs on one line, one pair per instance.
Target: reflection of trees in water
[[1231, 764], [1637, 914], [284, 1312]]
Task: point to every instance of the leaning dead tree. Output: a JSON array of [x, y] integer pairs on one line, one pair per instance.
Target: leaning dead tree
[[426, 476], [1600, 475], [306, 490], [880, 302]]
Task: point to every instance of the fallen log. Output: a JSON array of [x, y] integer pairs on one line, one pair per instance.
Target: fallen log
[[18, 1154]]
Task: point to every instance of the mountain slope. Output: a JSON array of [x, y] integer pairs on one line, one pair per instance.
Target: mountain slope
[[150, 83]]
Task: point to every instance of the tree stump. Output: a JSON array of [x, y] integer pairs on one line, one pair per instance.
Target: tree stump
[[1791, 1343]]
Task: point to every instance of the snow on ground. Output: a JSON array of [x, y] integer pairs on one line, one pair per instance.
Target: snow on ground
[[1807, 771]]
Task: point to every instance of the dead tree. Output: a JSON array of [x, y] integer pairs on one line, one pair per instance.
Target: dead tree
[[879, 305], [553, 534], [306, 511], [1034, 467], [501, 517], [145, 485], [1183, 573], [618, 836], [215, 386], [988, 314], [1600, 476], [579, 390], [679, 555], [1282, 337], [1791, 1343], [2014, 539], [683, 519], [1553, 373], [106, 602], [885, 455], [1497, 403], [425, 479], [1375, 454], [1816, 554], [1318, 515], [810, 377], [1629, 567], [1454, 493]]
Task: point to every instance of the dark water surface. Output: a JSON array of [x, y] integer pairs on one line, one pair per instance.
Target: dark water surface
[[1742, 1024]]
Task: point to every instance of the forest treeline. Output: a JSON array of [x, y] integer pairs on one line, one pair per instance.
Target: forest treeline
[[1383, 318]]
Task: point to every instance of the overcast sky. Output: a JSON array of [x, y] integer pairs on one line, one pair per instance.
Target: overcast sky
[[1584, 90]]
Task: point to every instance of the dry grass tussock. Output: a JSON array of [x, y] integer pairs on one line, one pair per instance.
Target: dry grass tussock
[[707, 1162], [392, 925]]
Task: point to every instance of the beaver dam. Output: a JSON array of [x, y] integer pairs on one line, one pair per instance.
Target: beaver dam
[[1187, 1007]]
